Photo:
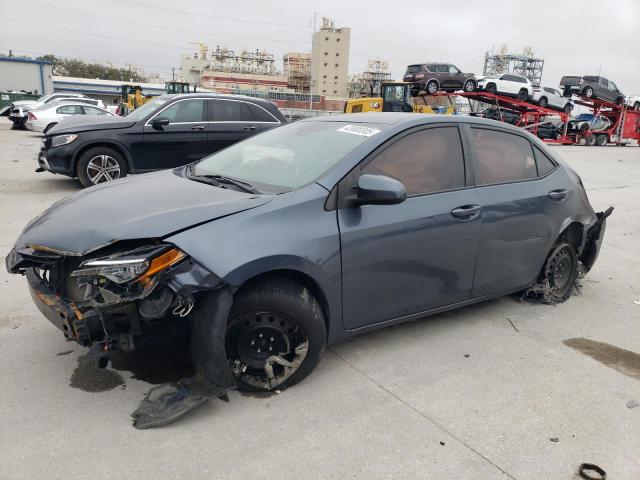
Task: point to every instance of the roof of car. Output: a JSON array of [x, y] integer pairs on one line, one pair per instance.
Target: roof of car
[[216, 95], [409, 119]]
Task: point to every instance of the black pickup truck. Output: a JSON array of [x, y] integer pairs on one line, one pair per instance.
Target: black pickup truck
[[591, 87]]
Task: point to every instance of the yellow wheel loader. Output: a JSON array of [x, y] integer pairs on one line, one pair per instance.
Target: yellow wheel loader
[[394, 97]]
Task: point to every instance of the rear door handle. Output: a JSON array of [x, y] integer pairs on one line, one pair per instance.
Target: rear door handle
[[250, 127], [559, 194], [197, 127], [466, 212]]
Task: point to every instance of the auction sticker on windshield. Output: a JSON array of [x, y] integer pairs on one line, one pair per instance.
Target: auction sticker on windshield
[[359, 130]]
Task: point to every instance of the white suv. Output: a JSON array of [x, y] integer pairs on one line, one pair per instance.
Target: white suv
[[507, 84]]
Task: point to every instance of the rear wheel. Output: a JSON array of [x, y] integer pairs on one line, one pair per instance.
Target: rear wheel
[[276, 335], [432, 87], [561, 271], [591, 140], [543, 102], [601, 140], [469, 86], [491, 88], [587, 92], [584, 128], [100, 165]]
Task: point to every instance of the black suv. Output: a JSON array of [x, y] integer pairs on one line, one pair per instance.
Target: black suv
[[432, 77], [591, 87], [167, 132]]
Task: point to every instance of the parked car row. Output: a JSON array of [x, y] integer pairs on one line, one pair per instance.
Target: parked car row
[[19, 110], [166, 132]]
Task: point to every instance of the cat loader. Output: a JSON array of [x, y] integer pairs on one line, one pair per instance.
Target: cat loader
[[394, 97]]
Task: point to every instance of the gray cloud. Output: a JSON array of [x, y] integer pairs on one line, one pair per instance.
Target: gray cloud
[[594, 36]]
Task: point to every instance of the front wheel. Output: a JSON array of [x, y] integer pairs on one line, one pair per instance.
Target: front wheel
[[432, 87], [275, 336], [469, 86], [100, 165], [587, 92], [523, 95], [543, 102], [567, 108], [492, 89]]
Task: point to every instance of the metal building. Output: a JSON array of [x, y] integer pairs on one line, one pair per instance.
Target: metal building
[[25, 74], [524, 64]]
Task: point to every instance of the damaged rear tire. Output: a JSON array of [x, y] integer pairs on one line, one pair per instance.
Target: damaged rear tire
[[275, 336], [559, 276]]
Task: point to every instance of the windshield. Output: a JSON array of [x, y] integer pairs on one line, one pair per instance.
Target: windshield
[[289, 156], [146, 109]]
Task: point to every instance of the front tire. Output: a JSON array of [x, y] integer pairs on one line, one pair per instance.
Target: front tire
[[543, 102], [587, 92], [275, 336], [432, 87], [469, 86], [492, 89], [568, 108], [100, 165], [523, 95]]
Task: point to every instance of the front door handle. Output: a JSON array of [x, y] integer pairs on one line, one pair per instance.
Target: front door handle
[[198, 127], [466, 212], [558, 195], [250, 127]]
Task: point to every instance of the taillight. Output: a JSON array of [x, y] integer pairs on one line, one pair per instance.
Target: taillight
[[31, 116]]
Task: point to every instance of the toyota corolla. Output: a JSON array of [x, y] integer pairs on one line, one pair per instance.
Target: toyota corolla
[[267, 251]]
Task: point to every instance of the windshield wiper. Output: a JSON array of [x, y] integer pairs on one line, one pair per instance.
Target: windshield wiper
[[222, 180]]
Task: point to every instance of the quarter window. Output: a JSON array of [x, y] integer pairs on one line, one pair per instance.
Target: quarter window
[[502, 157], [426, 161], [544, 163], [184, 111], [259, 114]]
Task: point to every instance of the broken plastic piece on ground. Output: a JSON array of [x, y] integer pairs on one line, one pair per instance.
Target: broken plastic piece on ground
[[166, 403], [592, 472]]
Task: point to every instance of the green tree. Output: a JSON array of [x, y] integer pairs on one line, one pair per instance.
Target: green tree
[[73, 67]]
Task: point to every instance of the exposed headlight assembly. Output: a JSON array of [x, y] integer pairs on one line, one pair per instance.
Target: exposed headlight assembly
[[139, 265], [60, 140]]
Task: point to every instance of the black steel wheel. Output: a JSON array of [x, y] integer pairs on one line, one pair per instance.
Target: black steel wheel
[[491, 88], [432, 87], [275, 336], [561, 271], [587, 92], [543, 102]]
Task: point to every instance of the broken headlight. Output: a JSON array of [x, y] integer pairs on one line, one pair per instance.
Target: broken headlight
[[137, 265]]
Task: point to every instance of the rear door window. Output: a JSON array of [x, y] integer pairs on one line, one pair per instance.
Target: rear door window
[[502, 157], [425, 161], [70, 110], [442, 69], [230, 111]]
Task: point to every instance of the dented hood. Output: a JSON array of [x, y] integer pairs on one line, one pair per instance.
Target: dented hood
[[152, 205]]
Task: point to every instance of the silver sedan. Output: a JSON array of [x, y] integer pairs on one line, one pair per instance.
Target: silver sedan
[[551, 98], [45, 117]]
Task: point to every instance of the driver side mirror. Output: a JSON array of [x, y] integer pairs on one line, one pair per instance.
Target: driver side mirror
[[159, 122], [379, 190]]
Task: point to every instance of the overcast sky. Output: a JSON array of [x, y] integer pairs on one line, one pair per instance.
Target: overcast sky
[[579, 38]]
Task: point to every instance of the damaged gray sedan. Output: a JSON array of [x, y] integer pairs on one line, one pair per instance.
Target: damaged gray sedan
[[260, 255]]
